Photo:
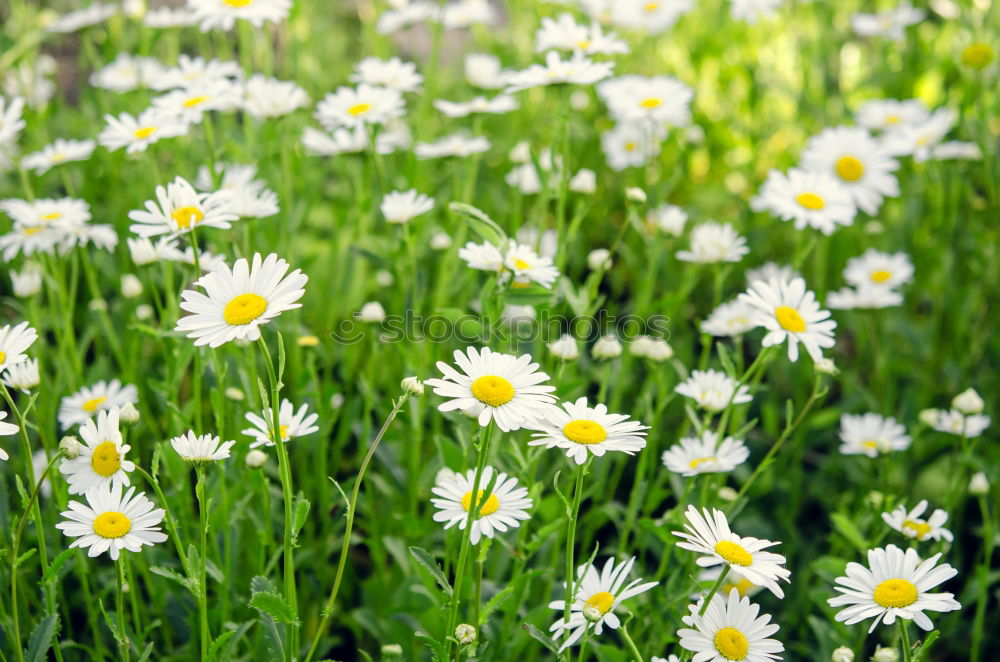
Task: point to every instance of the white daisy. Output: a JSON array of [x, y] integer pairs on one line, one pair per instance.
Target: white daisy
[[871, 434], [713, 390], [457, 144], [714, 242], [877, 268], [483, 70], [135, 134], [895, 584], [811, 199], [189, 104], [771, 270], [6, 430], [179, 208], [11, 121], [484, 256], [95, 13], [498, 105], [564, 33], [528, 266], [890, 114], [248, 197], [223, 14], [291, 424], [730, 629], [651, 16], [631, 144], [111, 522], [597, 595], [169, 17], [102, 396], [920, 140], [505, 506], [466, 13], [863, 297], [910, 524], [102, 456], [790, 312], [708, 533], [733, 318], [237, 302], [14, 341], [352, 107], [59, 152], [956, 149], [704, 454], [406, 14], [509, 388], [667, 218], [734, 581], [864, 168], [143, 251], [23, 376], [392, 73], [201, 449], [402, 206], [27, 282], [192, 71], [565, 347], [652, 348], [752, 11], [656, 100], [265, 97], [577, 70], [955, 422], [126, 73], [890, 23], [583, 431]]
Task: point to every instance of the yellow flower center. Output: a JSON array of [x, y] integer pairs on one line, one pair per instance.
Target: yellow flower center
[[895, 593], [521, 264], [881, 275], [91, 405], [583, 45], [871, 443], [492, 390], [651, 6], [742, 586], [630, 146], [59, 157], [283, 431], [187, 216], [731, 644], [695, 462], [491, 505], [3, 356], [585, 432], [810, 201], [106, 461], [977, 56], [602, 601], [921, 528], [237, 3], [650, 103], [892, 119], [112, 525], [359, 109], [849, 168], [244, 309], [144, 132], [789, 319], [195, 101], [33, 230], [52, 216], [733, 553]]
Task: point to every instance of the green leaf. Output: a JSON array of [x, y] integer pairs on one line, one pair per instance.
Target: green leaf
[[364, 654], [274, 635], [541, 636], [921, 649], [24, 557], [226, 641], [52, 574], [187, 582], [438, 650], [845, 527], [21, 491], [274, 605], [41, 639], [301, 513], [425, 559], [481, 224], [147, 653], [154, 467], [494, 602]]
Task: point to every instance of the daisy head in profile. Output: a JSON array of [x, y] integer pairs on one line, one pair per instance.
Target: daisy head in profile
[[705, 454], [14, 342], [291, 424], [713, 390], [179, 209], [896, 584], [401, 206], [6, 430], [872, 435], [110, 521], [102, 456], [353, 107], [732, 628], [596, 596], [707, 532], [877, 269], [496, 509], [733, 318], [789, 312], [238, 301], [509, 389], [201, 449], [59, 152], [87, 402], [714, 242], [582, 431], [223, 14], [911, 524]]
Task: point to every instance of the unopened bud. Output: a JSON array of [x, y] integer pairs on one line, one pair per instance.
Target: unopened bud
[[413, 386], [826, 367], [929, 417], [968, 402], [70, 446], [979, 485], [128, 413], [592, 613], [392, 650], [256, 458], [635, 194], [131, 286], [885, 655], [842, 654], [465, 634]]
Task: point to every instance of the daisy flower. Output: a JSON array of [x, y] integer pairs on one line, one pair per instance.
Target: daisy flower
[[11, 121], [59, 152], [528, 266], [168, 17], [135, 134], [22, 376], [504, 507], [656, 100], [863, 297], [189, 104], [457, 144], [653, 17], [895, 585], [733, 318], [14, 340], [704, 454], [291, 424], [265, 97], [223, 14], [402, 206], [952, 421], [714, 242], [238, 301], [577, 70], [484, 71], [583, 431], [891, 114], [631, 144], [597, 595], [921, 140], [126, 73], [891, 23], [850, 155], [466, 13], [406, 14], [484, 256], [713, 390], [877, 268], [191, 71], [790, 312], [510, 389], [564, 33], [102, 396], [667, 218], [910, 524], [352, 107], [811, 199], [498, 105], [6, 430], [102, 456], [708, 533], [752, 11], [392, 73], [248, 197], [178, 208], [111, 522], [565, 348], [871, 434], [652, 348], [201, 449], [72, 21], [730, 629], [27, 282], [734, 581], [143, 251], [771, 270]]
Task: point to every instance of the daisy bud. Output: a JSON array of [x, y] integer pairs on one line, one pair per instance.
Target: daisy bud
[[842, 654], [465, 634], [929, 417], [28, 282], [234, 393], [385, 278], [584, 181], [727, 493], [875, 498], [372, 312], [885, 655], [97, 305], [592, 613], [255, 459], [579, 100], [131, 286], [128, 413], [564, 348], [337, 400], [826, 367], [635, 194], [413, 386], [607, 347], [968, 402], [440, 241], [392, 650], [979, 486], [599, 258], [143, 312], [70, 446]]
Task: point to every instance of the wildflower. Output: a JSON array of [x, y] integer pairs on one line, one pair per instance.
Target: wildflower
[[810, 199], [465, 634], [565, 347], [713, 390], [730, 629], [402, 206], [654, 349], [291, 424], [111, 521], [392, 73], [413, 386], [733, 318], [371, 312], [223, 14], [59, 152], [705, 454], [102, 396], [255, 458], [714, 242], [102, 456], [790, 312], [864, 168], [607, 347], [871, 434], [910, 524], [14, 341], [136, 133], [504, 507], [22, 375], [582, 431], [355, 107], [201, 449], [179, 209], [968, 402]]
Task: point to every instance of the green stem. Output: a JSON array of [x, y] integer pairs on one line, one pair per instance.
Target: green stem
[[631, 645], [168, 518], [982, 596], [123, 642], [202, 576], [571, 518], [905, 636]]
